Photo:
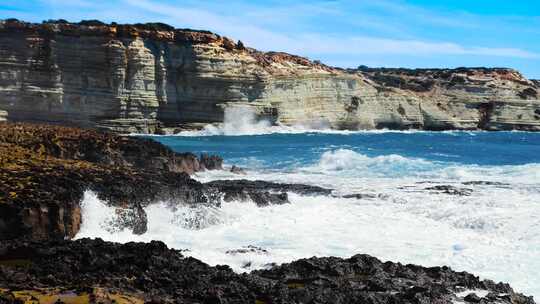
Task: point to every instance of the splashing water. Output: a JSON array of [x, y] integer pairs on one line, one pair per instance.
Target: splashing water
[[493, 231]]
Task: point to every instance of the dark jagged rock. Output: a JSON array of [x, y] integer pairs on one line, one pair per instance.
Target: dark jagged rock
[[247, 249], [98, 147], [448, 189], [238, 170], [45, 171], [211, 162], [472, 298], [486, 183], [364, 195], [263, 193], [151, 272], [244, 184]]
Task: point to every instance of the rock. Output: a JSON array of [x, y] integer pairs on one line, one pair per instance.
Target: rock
[[472, 298], [262, 193], [211, 162], [448, 189], [247, 249], [151, 271], [364, 195], [243, 184], [45, 171], [238, 170], [148, 78], [528, 93], [486, 183], [98, 147]]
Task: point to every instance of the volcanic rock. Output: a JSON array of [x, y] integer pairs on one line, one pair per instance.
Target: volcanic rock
[[152, 272]]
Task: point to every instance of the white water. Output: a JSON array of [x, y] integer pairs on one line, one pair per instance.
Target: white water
[[242, 120], [492, 233]]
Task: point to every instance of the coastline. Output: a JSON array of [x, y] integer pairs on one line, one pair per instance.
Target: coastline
[[153, 78], [45, 170]]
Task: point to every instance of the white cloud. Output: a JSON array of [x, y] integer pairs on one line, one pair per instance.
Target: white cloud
[[313, 43], [262, 26]]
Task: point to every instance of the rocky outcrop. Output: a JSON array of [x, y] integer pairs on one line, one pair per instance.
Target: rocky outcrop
[[102, 148], [152, 78], [464, 98], [45, 171], [137, 272]]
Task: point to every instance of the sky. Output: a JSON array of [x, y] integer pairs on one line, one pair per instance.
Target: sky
[[343, 33]]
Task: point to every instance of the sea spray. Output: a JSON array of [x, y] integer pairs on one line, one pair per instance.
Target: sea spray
[[392, 214], [474, 237]]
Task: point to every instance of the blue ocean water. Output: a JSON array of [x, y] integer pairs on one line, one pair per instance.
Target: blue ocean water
[[282, 151]]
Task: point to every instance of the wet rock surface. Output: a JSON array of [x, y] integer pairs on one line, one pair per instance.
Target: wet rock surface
[[262, 193], [238, 170], [45, 171], [247, 249], [449, 189], [152, 272]]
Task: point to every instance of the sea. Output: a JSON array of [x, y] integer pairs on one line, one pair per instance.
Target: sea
[[468, 200]]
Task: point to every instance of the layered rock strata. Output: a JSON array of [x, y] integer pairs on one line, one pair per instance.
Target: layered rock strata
[[152, 78], [92, 271]]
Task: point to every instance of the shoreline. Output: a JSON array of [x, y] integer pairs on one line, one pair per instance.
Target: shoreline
[[45, 169]]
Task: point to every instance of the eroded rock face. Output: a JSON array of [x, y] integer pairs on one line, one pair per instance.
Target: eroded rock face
[[465, 98], [152, 272], [45, 171], [152, 78]]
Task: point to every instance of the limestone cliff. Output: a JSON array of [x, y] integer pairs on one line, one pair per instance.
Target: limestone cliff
[[154, 78]]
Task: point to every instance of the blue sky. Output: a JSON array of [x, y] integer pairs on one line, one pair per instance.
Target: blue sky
[[346, 33]]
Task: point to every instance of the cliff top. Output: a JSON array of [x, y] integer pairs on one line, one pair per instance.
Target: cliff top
[[423, 80], [164, 32], [155, 31]]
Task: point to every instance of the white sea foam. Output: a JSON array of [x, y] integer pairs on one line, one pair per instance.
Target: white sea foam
[[241, 120], [401, 220], [478, 233]]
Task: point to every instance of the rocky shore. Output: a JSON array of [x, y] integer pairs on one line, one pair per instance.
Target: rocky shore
[[153, 78], [45, 171], [94, 271]]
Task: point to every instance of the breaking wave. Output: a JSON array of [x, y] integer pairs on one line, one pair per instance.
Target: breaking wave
[[348, 160], [474, 234], [242, 121], [394, 210]]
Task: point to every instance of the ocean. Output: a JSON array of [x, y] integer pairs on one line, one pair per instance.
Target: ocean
[[488, 224]]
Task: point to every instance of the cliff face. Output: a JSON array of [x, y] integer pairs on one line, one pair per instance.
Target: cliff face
[[152, 78]]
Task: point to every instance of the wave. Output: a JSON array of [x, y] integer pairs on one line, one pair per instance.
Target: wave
[[478, 236], [348, 163], [344, 160], [242, 120]]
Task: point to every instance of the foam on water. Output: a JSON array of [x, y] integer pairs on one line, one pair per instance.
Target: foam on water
[[493, 232], [242, 120], [475, 234]]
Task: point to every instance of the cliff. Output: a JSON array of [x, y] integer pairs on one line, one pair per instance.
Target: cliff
[[154, 78]]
